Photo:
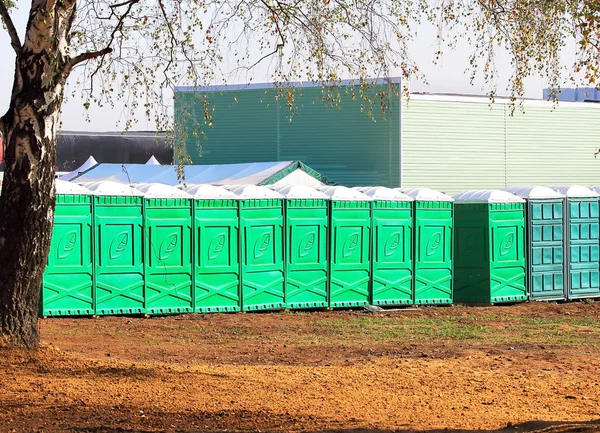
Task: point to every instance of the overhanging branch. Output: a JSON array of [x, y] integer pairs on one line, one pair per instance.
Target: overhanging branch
[[108, 49], [87, 56], [15, 42]]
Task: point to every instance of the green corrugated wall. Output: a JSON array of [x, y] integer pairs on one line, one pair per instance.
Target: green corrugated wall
[[342, 142], [454, 144]]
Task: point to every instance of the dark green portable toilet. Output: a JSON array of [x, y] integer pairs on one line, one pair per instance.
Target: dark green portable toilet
[[545, 242], [306, 230], [432, 246], [391, 246], [167, 249], [68, 284], [262, 247], [349, 247], [216, 249], [119, 266], [583, 242], [489, 248]]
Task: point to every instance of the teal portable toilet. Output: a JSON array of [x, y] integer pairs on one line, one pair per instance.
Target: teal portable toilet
[[489, 247], [583, 242], [118, 248], [68, 283], [216, 249], [306, 231], [432, 245], [349, 247], [167, 249], [391, 246], [262, 247], [545, 241]]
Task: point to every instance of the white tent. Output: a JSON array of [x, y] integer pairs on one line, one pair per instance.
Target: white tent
[[89, 163], [152, 161]]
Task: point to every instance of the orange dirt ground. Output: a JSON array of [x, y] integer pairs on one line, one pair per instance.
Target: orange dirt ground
[[529, 367]]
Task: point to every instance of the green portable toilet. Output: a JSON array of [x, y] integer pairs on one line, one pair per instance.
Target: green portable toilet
[[119, 266], [545, 242], [583, 242], [67, 284], [307, 267], [216, 249], [391, 246], [489, 248], [349, 247], [262, 247], [432, 245], [167, 249]]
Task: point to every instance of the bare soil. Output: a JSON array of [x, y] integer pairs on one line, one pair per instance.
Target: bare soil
[[528, 367]]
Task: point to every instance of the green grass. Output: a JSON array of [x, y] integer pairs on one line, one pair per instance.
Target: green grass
[[309, 330], [394, 329]]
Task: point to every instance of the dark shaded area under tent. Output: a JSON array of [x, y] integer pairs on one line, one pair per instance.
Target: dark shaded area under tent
[[74, 148]]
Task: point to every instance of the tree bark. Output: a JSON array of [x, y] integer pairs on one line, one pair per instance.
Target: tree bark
[[27, 200]]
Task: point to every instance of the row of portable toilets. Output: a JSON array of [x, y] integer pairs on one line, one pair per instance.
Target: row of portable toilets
[[158, 249]]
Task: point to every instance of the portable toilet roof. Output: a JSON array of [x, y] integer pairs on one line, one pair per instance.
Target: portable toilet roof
[[254, 192], [108, 187], [425, 194], [487, 196], [341, 193], [64, 187], [159, 190], [89, 163], [534, 192], [575, 191], [383, 193], [300, 192], [209, 192]]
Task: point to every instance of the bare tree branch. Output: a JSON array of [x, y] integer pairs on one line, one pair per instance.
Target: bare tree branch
[[87, 56], [108, 48], [15, 42]]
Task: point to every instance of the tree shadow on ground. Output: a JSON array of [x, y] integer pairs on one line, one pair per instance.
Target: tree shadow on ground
[[526, 427]]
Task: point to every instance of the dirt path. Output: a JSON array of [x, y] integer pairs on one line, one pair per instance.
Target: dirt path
[[433, 369]]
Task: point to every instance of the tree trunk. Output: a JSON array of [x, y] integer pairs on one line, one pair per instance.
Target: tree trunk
[[27, 200]]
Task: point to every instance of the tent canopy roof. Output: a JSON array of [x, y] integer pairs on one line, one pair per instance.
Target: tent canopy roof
[[258, 173]]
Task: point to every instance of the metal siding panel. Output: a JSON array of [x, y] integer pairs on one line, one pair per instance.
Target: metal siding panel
[[244, 126], [343, 142], [453, 146], [553, 146]]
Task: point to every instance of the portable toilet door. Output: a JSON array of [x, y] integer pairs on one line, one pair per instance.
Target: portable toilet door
[[306, 228], [583, 241], [216, 250], [119, 266], [391, 254], [489, 258], [167, 249], [545, 242], [262, 248], [349, 247], [432, 245], [68, 283]]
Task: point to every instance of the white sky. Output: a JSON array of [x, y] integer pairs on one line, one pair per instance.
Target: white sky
[[448, 76]]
